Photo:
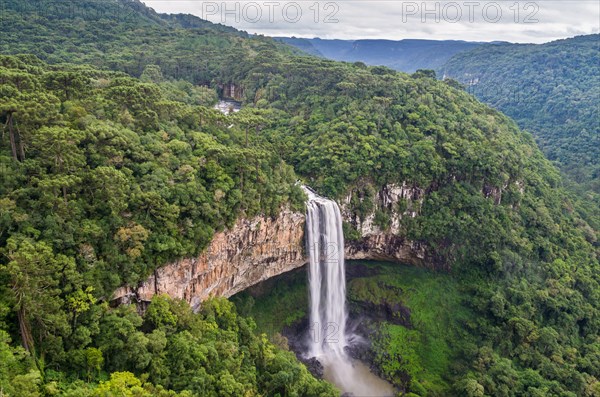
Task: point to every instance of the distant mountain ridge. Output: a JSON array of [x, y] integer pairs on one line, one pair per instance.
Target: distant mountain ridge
[[403, 55]]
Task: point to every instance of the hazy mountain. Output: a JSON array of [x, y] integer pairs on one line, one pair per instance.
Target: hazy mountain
[[403, 55]]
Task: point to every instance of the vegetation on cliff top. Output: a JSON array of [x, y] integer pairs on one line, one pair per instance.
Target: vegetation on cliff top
[[106, 177]]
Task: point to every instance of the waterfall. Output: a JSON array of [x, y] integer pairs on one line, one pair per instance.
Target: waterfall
[[327, 284], [327, 279]]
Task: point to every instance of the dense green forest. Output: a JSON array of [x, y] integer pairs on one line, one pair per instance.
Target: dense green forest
[[347, 127], [125, 35], [551, 90], [106, 177], [113, 163]]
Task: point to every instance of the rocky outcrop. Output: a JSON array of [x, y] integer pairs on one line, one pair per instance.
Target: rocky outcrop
[[387, 243], [231, 91], [260, 248], [388, 247], [252, 251], [398, 201]]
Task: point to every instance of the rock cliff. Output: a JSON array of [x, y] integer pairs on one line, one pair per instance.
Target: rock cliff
[[231, 91], [250, 252], [257, 249], [387, 243]]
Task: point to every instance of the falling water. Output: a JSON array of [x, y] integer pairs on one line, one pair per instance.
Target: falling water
[[327, 283], [327, 279]]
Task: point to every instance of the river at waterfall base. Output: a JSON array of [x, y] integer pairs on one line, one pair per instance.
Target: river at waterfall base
[[354, 377], [328, 315]]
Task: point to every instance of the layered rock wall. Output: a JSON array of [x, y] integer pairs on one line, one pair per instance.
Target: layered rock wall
[[232, 91], [258, 249], [389, 243], [250, 252]]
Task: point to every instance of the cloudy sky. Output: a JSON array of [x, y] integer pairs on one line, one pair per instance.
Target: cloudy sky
[[508, 20]]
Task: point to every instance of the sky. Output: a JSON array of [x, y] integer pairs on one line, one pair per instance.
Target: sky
[[501, 20]]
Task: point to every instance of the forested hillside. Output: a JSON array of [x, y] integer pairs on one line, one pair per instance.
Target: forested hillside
[[518, 253], [125, 35], [106, 177], [551, 90], [111, 170]]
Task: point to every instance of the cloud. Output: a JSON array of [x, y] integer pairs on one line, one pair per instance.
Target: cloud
[[515, 21]]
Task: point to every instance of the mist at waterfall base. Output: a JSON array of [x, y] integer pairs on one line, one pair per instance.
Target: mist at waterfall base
[[327, 284]]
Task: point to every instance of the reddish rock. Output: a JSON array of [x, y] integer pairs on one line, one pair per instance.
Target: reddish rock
[[251, 252]]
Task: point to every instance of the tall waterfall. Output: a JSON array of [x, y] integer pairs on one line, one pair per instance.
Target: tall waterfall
[[327, 279], [327, 283]]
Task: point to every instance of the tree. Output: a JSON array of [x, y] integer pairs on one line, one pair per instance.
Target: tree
[[159, 313], [58, 151], [152, 74], [122, 384], [424, 73], [68, 84], [80, 302], [35, 276], [132, 239], [27, 385], [470, 388], [94, 361]]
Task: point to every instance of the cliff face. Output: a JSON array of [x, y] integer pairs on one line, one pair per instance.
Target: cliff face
[[232, 91], [387, 243], [258, 249], [252, 251]]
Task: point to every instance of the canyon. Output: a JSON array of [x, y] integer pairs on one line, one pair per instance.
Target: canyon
[[256, 249]]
